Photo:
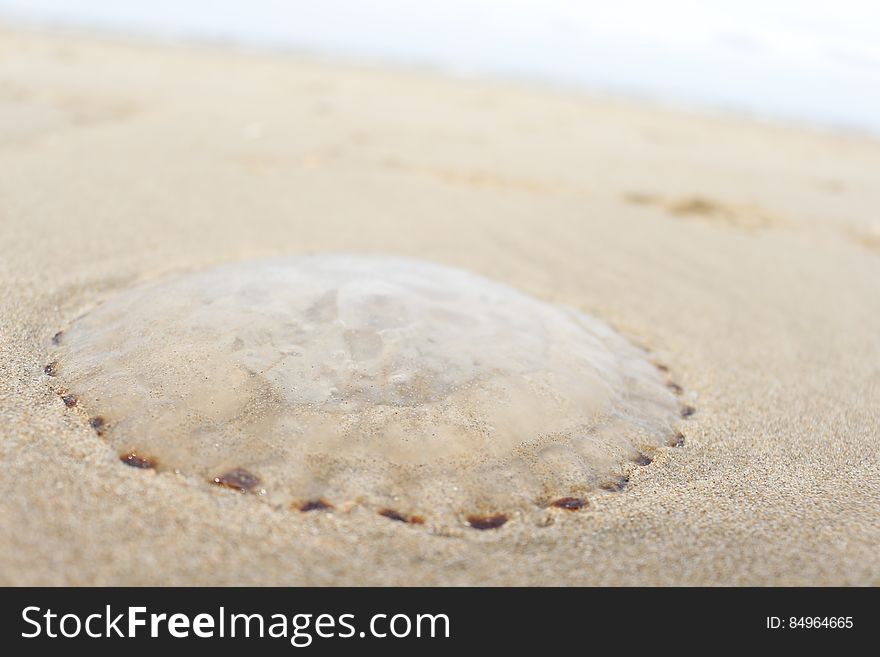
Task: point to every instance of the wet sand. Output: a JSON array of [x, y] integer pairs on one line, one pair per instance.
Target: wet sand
[[745, 257]]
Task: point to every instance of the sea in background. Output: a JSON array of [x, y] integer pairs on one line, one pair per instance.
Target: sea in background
[[810, 62]]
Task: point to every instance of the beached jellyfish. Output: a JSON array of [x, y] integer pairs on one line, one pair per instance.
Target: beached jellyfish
[[417, 390]]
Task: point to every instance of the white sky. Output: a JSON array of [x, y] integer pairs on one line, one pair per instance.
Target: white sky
[[809, 60]]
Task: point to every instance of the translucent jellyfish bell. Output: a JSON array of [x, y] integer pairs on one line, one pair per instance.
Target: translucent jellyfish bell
[[365, 380]]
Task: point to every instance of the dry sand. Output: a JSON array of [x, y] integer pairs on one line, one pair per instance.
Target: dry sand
[[744, 256]]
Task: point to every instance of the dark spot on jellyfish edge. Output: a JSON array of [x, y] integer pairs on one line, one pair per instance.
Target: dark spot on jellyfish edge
[[687, 411], [615, 485], [677, 440], [487, 522], [674, 387], [69, 400], [663, 368], [56, 339], [319, 504], [135, 460], [391, 514], [238, 479], [51, 369], [642, 459], [99, 424], [570, 503]]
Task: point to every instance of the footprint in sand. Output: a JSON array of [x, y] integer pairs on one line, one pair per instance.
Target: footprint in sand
[[868, 237], [742, 216]]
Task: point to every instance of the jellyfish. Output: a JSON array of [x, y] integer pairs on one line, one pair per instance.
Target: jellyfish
[[340, 380]]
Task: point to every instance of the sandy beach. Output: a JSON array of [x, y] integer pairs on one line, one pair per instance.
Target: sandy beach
[[744, 256]]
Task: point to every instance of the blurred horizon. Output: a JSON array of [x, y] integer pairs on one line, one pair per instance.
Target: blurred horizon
[[805, 62]]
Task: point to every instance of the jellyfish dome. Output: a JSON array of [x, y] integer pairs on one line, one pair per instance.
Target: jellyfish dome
[[377, 381]]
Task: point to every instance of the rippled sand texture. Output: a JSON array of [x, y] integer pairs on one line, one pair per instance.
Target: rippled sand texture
[[737, 258]]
